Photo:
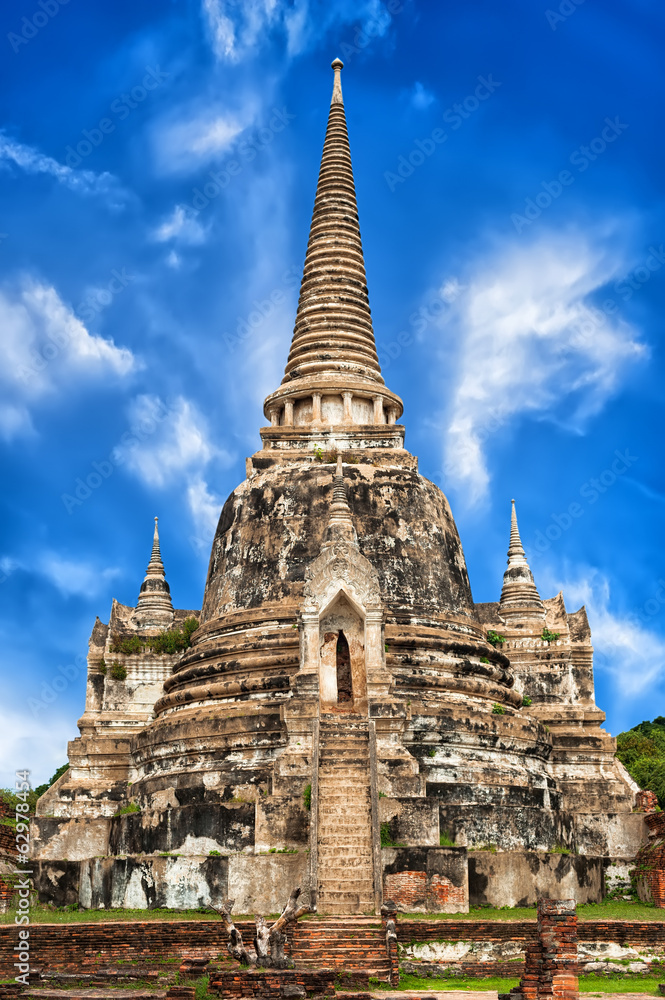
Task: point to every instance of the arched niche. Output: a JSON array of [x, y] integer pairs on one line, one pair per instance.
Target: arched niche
[[342, 684]]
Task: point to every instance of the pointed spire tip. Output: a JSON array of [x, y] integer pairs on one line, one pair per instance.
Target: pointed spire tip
[[337, 98]]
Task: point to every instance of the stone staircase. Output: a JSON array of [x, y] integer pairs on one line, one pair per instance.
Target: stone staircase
[[346, 943], [345, 869]]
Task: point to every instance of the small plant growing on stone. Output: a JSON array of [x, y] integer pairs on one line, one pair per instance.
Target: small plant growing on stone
[[386, 839], [131, 807], [483, 659], [445, 840], [129, 646], [307, 797], [118, 672], [431, 752], [102, 666], [498, 709], [548, 636], [495, 638], [318, 454], [214, 854], [526, 701]]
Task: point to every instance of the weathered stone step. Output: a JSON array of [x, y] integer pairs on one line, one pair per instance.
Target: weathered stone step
[[345, 855], [334, 790], [344, 840]]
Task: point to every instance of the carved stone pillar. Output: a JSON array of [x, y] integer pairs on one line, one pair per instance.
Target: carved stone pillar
[[288, 412], [316, 408], [378, 410], [309, 651], [348, 412]]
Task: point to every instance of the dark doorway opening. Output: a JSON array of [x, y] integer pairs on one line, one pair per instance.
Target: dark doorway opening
[[344, 685]]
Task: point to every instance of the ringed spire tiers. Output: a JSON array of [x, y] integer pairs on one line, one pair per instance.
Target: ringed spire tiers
[[332, 375], [519, 594], [154, 606]]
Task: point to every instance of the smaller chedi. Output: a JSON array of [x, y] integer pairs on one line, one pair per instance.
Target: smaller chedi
[[340, 714]]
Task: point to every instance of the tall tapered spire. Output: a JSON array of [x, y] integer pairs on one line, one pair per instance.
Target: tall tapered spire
[[333, 329], [154, 606], [519, 593], [332, 391]]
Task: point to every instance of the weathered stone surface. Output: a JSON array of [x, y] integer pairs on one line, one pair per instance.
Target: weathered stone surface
[[150, 882], [520, 878]]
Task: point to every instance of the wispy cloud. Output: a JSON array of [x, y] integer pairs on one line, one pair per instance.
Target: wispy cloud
[[180, 451], [76, 577], [529, 343], [192, 135], [28, 743], [419, 97], [181, 226], [84, 182], [628, 646], [181, 443], [205, 508], [44, 349], [237, 31]]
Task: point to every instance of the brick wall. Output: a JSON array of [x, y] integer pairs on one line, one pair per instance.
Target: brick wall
[[433, 879], [86, 946], [271, 982], [415, 888]]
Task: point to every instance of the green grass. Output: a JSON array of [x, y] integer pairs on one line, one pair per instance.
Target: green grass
[[450, 983], [588, 984], [46, 915], [609, 909], [620, 984]]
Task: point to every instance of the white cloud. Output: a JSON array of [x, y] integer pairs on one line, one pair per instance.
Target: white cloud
[[420, 97], [237, 30], [182, 226], [178, 443], [191, 136], [205, 509], [530, 342], [28, 742], [44, 349], [221, 28], [76, 577], [82, 181], [451, 289], [630, 647]]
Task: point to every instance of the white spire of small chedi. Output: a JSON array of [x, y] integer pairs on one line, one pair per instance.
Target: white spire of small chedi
[[154, 606], [519, 595]]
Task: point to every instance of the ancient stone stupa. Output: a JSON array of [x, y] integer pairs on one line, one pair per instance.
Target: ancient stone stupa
[[345, 718]]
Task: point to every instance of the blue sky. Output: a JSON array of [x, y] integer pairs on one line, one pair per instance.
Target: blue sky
[[509, 164]]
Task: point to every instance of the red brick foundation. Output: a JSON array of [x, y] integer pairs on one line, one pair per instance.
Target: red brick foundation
[[650, 862], [551, 961], [85, 947], [416, 888], [274, 983]]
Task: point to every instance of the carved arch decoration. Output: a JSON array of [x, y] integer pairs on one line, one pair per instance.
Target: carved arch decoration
[[342, 597]]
